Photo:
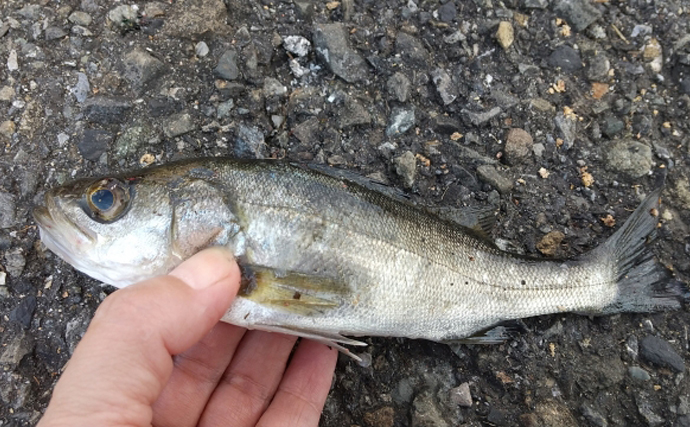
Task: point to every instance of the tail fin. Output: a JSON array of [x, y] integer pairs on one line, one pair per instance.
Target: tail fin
[[643, 284]]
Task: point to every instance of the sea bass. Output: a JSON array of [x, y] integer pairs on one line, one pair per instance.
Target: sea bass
[[326, 256]]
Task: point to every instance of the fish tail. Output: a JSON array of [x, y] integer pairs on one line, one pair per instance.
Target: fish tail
[[643, 284]]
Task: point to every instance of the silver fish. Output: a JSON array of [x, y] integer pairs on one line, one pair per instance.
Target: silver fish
[[328, 257]]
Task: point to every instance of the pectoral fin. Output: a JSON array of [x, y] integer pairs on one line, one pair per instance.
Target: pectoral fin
[[292, 292]]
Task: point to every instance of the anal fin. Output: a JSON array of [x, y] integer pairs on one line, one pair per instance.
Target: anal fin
[[495, 335], [330, 339]]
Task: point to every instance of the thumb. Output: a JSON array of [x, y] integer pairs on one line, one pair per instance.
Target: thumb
[[124, 360]]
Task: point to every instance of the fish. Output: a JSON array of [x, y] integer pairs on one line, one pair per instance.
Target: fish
[[331, 256]]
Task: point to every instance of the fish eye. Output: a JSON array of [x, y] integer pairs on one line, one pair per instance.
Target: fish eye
[[102, 199], [107, 200]]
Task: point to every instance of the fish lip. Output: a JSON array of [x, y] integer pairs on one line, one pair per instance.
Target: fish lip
[[44, 217]]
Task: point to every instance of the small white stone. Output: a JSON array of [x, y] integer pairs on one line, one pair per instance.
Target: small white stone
[[12, 63], [201, 49], [297, 44], [3, 278], [62, 139]]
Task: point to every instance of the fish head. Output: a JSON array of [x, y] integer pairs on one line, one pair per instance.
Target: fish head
[[114, 229]]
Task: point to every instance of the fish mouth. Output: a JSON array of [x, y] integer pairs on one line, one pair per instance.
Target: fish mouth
[[58, 232]]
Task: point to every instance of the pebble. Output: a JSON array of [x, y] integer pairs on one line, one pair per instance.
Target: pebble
[[612, 125], [447, 12], [446, 125], [24, 311], [398, 86], [496, 417], [30, 11], [538, 149], [178, 124], [683, 405], [641, 30], [353, 113], [227, 66], [94, 143], [104, 110], [518, 147], [598, 68], [201, 49], [660, 353], [461, 395], [131, 139], [454, 37], [6, 93], [478, 119], [579, 13], [7, 128], [402, 394], [425, 412], [593, 416], [164, 106], [652, 53], [411, 50], [550, 243], [630, 157], [493, 177], [505, 34], [638, 373], [644, 407], [382, 417], [7, 210], [82, 88], [535, 4], [18, 347], [75, 329], [277, 120], [224, 108], [123, 17], [12, 63], [78, 30], [80, 18], [447, 90], [331, 45], [14, 262], [548, 413], [401, 120], [249, 143], [406, 168], [680, 188], [298, 45], [306, 131], [568, 128], [566, 58], [3, 278], [273, 87], [141, 69], [54, 33]]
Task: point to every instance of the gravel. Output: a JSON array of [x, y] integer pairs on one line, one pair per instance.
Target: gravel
[[227, 65], [431, 98], [660, 353]]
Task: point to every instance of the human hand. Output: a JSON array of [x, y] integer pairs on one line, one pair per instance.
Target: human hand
[[155, 354]]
